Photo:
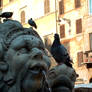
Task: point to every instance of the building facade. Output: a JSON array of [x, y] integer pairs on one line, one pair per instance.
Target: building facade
[[71, 19]]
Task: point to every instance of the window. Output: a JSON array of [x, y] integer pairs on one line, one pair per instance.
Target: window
[[78, 26], [80, 58], [90, 6], [62, 31], [77, 3], [90, 38], [1, 1], [46, 6], [61, 7], [23, 17], [10, 0]]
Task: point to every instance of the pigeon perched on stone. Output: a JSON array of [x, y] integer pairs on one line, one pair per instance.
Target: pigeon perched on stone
[[59, 52], [32, 23], [6, 14]]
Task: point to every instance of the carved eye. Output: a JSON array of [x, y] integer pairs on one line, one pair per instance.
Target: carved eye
[[22, 51]]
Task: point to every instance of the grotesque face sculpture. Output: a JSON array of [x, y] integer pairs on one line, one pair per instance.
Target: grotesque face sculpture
[[24, 62], [62, 76], [26, 58]]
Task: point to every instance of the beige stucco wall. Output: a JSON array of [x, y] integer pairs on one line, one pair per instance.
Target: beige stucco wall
[[46, 25]]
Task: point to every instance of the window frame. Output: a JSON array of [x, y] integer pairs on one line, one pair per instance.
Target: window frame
[[77, 3], [62, 33], [90, 40], [78, 26], [10, 0], [61, 7], [80, 58], [1, 3], [22, 17], [46, 6]]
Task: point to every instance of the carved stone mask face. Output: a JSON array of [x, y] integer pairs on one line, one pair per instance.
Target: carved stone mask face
[[26, 56]]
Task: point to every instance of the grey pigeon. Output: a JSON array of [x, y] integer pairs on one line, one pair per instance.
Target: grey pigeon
[[32, 23], [59, 52], [6, 14]]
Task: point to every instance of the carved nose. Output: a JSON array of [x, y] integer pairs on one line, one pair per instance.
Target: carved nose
[[36, 54], [8, 79]]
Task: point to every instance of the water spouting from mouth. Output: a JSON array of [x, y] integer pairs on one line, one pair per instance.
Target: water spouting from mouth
[[45, 82]]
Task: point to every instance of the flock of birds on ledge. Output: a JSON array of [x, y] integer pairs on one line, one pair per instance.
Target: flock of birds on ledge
[[58, 51]]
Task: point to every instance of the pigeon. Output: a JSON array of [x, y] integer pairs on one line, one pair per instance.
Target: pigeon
[[59, 52], [32, 23], [6, 15]]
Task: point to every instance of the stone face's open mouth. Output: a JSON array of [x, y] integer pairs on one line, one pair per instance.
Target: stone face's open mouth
[[10, 82]]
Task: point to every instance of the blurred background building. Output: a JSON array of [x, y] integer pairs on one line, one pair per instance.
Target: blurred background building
[[71, 19]]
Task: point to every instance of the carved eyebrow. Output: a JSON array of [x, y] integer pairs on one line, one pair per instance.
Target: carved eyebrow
[[17, 44]]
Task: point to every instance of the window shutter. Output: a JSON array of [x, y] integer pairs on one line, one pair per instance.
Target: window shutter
[[22, 17], [80, 58], [62, 31], [78, 26], [46, 6], [10, 0], [1, 3], [61, 7], [77, 3], [90, 38]]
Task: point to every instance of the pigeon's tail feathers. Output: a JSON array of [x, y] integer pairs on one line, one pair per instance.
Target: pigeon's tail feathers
[[69, 59], [35, 26]]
